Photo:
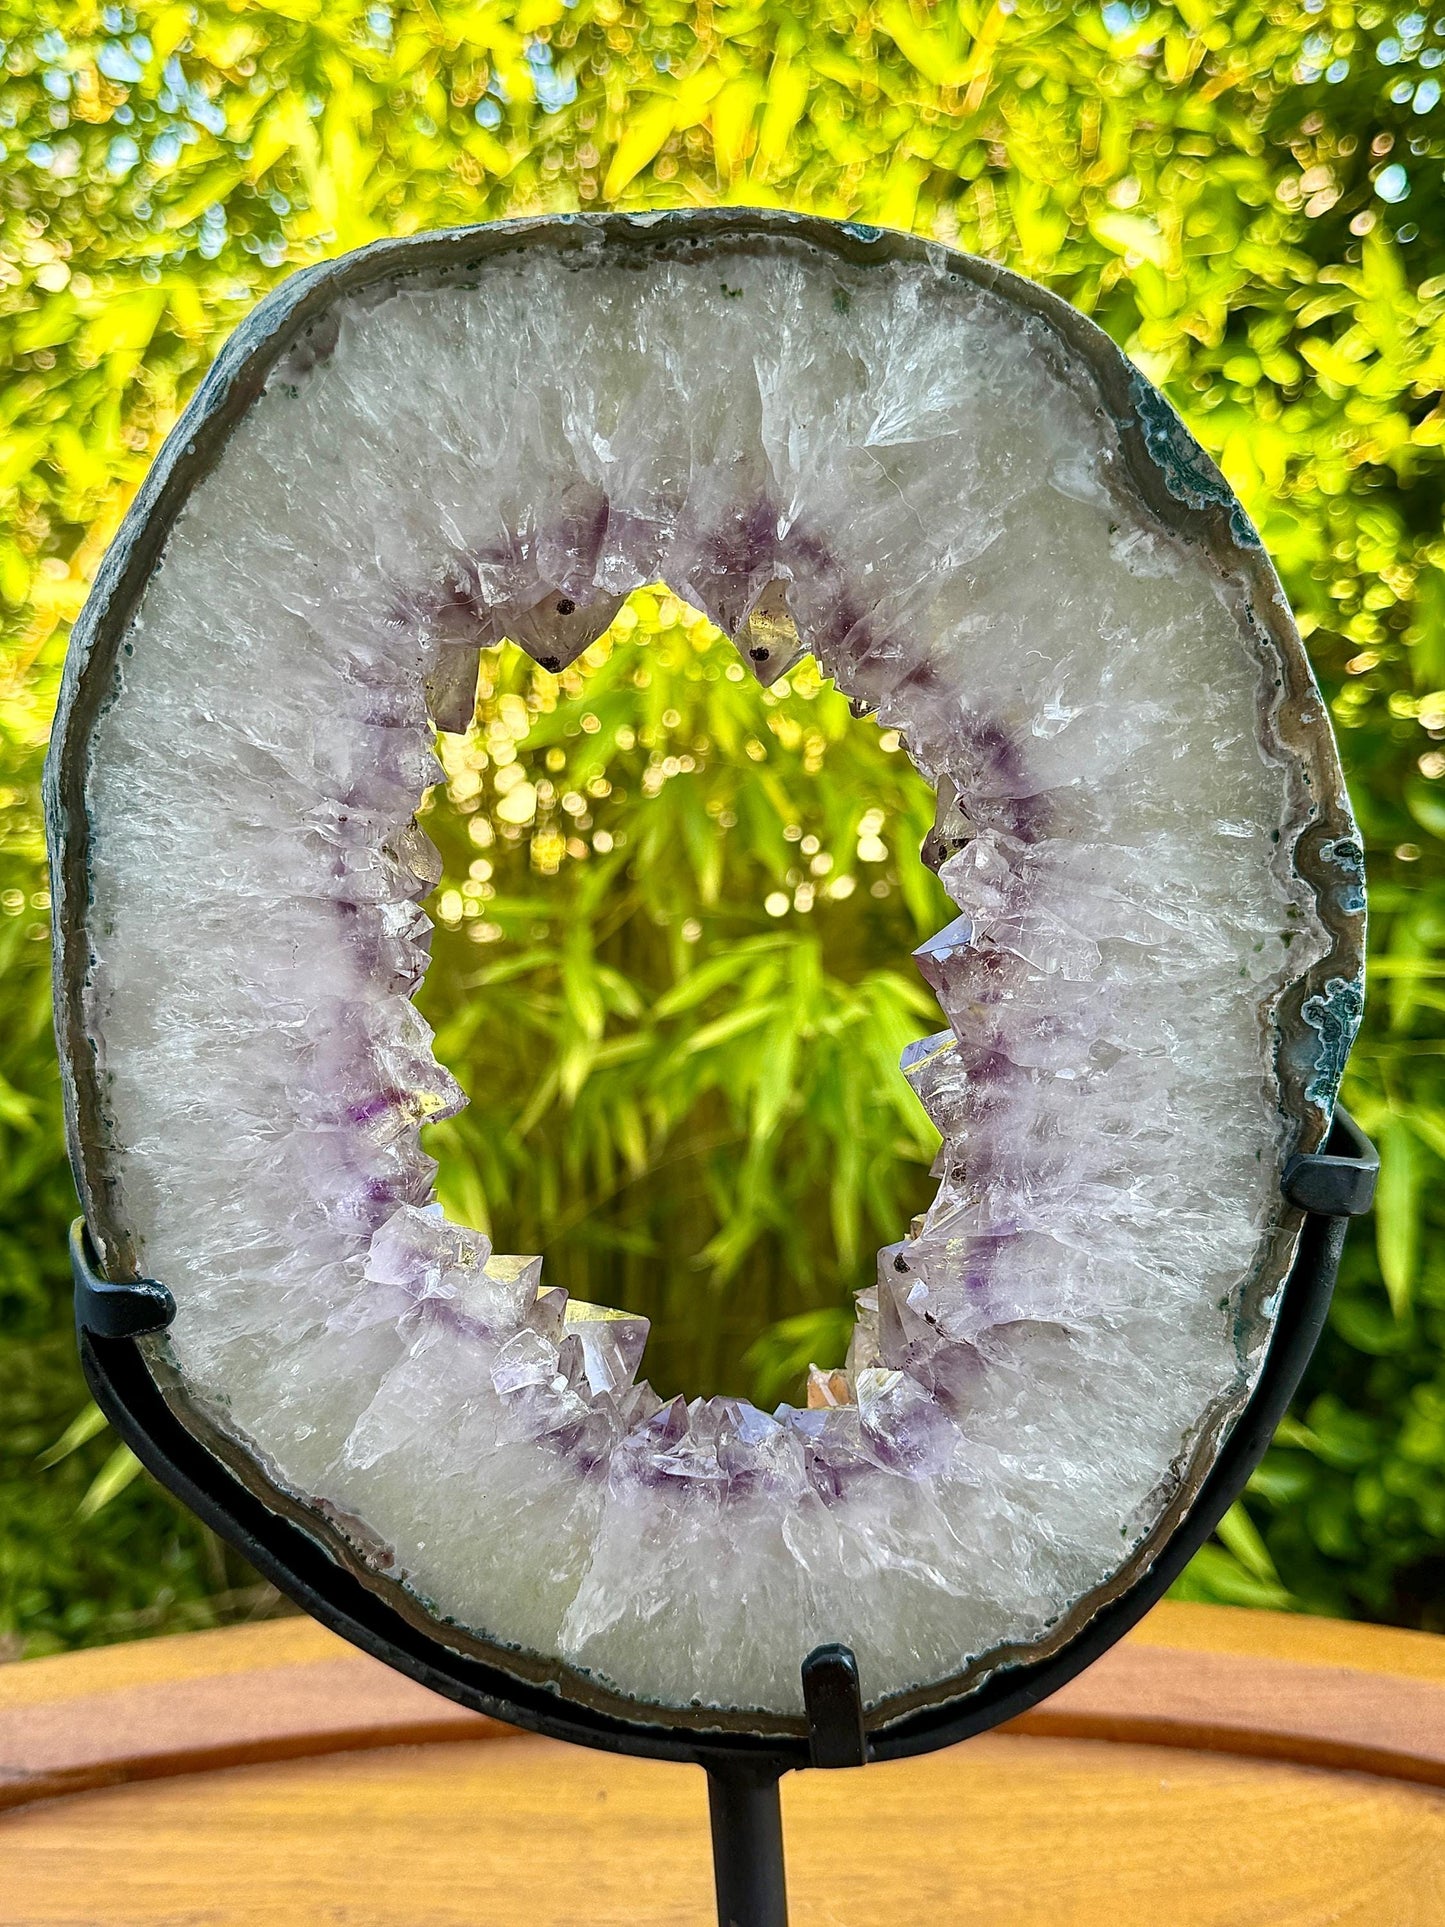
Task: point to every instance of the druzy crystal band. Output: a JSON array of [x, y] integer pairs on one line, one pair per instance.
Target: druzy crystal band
[[997, 539]]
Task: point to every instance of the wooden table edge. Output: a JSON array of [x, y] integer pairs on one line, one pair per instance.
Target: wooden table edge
[[1380, 1760], [1348, 1707], [19, 1788]]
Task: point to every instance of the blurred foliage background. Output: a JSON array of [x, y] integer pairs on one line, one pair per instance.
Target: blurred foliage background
[[672, 954]]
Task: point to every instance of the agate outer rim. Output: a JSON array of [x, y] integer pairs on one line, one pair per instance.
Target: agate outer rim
[[1175, 478]]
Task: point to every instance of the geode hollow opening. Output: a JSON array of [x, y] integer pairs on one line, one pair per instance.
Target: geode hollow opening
[[990, 532]]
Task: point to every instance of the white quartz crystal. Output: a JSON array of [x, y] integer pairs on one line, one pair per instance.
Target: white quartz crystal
[[913, 476]]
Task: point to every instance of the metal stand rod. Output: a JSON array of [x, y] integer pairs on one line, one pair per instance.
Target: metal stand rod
[[747, 1846]]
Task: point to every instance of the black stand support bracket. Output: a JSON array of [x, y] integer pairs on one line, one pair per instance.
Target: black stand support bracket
[[743, 1770], [103, 1310], [834, 1703]]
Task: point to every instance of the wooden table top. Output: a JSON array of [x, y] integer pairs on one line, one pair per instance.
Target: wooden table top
[[1220, 1768]]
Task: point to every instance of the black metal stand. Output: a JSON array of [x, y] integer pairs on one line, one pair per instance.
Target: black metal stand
[[744, 1805], [747, 1847], [744, 1769]]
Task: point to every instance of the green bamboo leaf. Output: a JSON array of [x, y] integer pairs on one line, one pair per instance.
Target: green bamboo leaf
[[47, 326], [845, 1194], [544, 1096], [622, 995], [574, 1066], [786, 97], [111, 1480], [16, 1109], [779, 1357], [461, 1189], [774, 1085], [208, 189], [1240, 1535], [700, 984], [621, 1050], [123, 328], [631, 1133], [1428, 1124], [1427, 806], [1214, 1574], [1403, 966], [88, 1421], [19, 453], [723, 1030], [641, 142], [583, 993], [1397, 1211], [508, 969]]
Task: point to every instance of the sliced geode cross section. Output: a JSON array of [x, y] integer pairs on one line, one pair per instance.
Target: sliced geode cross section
[[994, 536]]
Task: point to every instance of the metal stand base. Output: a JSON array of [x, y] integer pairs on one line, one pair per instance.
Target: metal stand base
[[743, 1769]]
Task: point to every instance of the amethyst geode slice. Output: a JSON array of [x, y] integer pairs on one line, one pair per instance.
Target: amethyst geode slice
[[997, 538]]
